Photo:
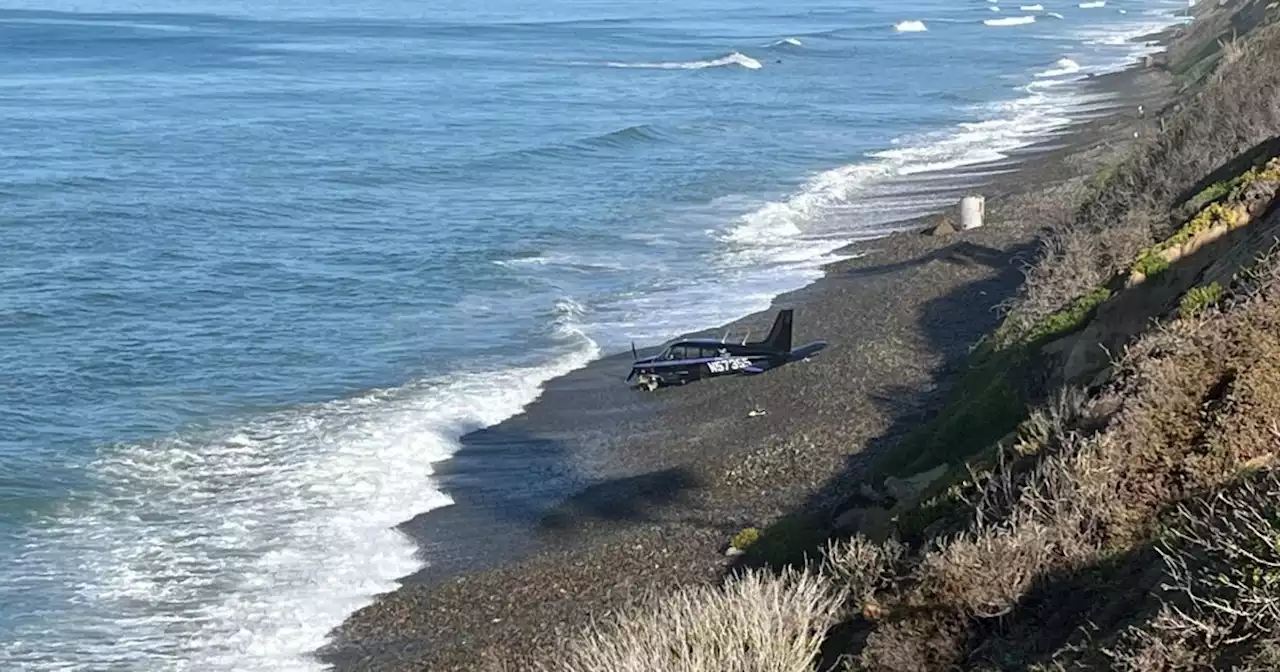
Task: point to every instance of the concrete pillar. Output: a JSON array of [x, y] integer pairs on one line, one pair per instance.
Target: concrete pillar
[[972, 210]]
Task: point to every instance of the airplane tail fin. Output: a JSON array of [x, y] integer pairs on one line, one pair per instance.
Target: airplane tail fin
[[779, 338]]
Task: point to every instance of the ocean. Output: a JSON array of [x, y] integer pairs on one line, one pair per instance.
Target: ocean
[[263, 263]]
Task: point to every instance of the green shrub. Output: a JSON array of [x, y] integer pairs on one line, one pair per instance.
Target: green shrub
[[1211, 193], [1072, 318], [984, 406], [1269, 171], [1150, 263], [1104, 176], [1198, 299], [746, 538], [789, 541]]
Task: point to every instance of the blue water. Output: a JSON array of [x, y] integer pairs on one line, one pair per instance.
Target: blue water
[[263, 262]]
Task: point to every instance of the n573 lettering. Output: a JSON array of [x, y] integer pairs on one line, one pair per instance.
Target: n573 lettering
[[723, 365]]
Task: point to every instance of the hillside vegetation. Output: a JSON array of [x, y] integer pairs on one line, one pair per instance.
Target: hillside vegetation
[[1102, 490]]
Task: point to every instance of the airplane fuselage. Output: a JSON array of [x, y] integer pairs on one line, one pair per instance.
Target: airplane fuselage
[[690, 360], [687, 361]]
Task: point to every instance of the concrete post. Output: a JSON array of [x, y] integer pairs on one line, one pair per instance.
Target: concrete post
[[972, 210]]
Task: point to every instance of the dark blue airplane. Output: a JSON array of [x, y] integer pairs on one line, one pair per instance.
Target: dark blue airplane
[[685, 361]]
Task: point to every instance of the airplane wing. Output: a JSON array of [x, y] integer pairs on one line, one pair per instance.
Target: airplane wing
[[673, 363], [808, 350]]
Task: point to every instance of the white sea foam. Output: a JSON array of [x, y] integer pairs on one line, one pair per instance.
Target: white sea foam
[[1064, 66], [789, 41], [539, 260], [1092, 5], [735, 58], [1122, 42], [1055, 15], [782, 227], [1032, 8], [910, 27], [800, 221], [240, 549], [1010, 21], [564, 261]]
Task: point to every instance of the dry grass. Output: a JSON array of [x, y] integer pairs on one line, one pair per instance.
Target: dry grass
[[756, 623], [863, 566], [1223, 562], [1188, 404], [925, 642], [1238, 108], [1191, 403]]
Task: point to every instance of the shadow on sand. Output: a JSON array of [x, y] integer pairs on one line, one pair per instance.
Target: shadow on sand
[[951, 324], [541, 479]]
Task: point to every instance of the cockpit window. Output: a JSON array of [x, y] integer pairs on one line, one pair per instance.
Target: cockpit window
[[683, 352]]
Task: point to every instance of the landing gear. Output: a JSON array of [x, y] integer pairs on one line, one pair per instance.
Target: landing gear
[[647, 382]]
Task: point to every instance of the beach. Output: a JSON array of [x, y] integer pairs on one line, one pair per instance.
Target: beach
[[625, 493]]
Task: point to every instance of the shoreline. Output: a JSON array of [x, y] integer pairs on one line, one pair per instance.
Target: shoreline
[[656, 484], [615, 409]]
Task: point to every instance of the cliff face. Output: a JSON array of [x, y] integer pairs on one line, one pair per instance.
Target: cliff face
[[1100, 493], [1129, 521]]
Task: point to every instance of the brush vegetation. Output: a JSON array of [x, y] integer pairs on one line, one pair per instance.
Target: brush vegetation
[[1131, 523], [1199, 299]]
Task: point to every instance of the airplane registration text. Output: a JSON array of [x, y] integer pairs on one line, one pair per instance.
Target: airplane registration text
[[733, 364]]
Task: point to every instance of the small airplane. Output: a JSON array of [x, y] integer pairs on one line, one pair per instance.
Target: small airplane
[[689, 360]]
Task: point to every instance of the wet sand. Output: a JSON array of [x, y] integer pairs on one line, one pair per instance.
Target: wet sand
[[598, 493]]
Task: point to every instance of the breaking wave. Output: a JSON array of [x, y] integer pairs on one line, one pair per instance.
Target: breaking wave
[[788, 225], [910, 27], [1010, 21], [1064, 66], [735, 58], [240, 548], [560, 261]]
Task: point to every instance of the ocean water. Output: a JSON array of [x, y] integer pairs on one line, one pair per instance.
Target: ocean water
[[264, 262]]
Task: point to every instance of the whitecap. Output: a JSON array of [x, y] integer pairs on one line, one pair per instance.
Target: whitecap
[[735, 58], [1010, 21], [522, 261], [1064, 66], [910, 27], [1092, 5]]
